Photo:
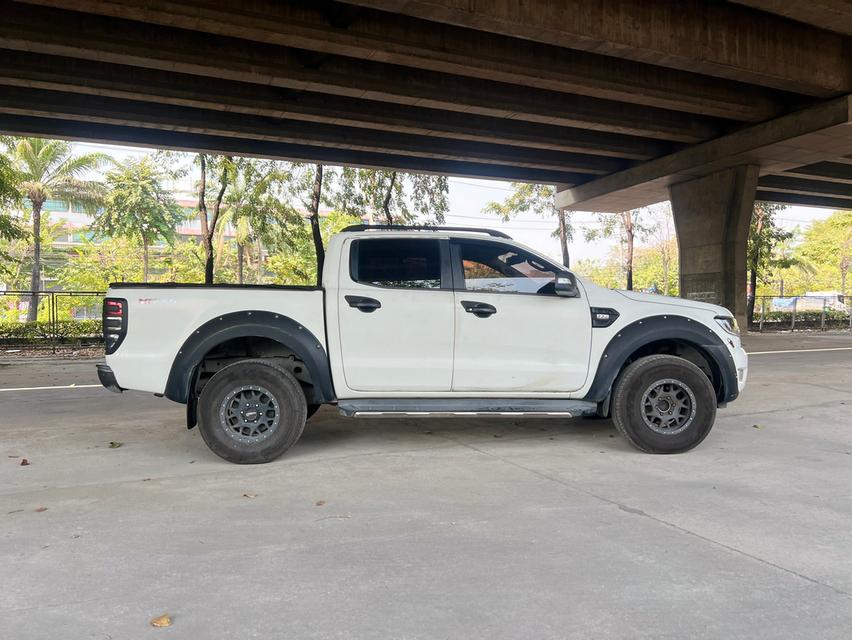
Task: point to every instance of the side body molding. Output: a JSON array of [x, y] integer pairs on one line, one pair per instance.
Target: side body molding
[[665, 327], [242, 324]]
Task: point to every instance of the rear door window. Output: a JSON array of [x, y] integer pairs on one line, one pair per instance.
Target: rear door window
[[397, 263]]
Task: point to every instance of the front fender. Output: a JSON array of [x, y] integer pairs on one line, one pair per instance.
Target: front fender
[[642, 332]]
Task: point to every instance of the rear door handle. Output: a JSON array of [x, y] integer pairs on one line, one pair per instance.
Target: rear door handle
[[367, 305], [479, 309]]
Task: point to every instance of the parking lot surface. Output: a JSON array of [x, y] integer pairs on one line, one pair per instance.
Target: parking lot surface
[[461, 528]]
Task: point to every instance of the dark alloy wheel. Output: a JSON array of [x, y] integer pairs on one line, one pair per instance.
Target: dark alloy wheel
[[251, 412], [663, 404]]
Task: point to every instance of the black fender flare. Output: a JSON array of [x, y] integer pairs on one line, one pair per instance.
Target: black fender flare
[[636, 335], [245, 324]]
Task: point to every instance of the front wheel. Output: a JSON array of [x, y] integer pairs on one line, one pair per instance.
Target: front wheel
[[251, 412], [663, 404]]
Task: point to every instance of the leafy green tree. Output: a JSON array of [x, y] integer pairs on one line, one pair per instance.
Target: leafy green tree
[[258, 209], [94, 265], [137, 206], [762, 259], [217, 173], [49, 170], [393, 196], [827, 246], [296, 263], [10, 198], [627, 227], [538, 199]]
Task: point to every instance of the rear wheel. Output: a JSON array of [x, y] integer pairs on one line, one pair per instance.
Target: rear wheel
[[251, 412], [663, 404]]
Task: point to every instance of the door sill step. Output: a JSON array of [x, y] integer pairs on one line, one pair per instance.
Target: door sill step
[[465, 408]]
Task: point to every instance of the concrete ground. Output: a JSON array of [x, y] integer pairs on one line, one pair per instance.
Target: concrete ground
[[430, 529]]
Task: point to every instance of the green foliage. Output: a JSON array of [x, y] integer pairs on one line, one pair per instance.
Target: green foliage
[[828, 248], [539, 199], [649, 273], [48, 170], [605, 273], [389, 196], [137, 205], [94, 265], [764, 237], [16, 254], [42, 329], [296, 264], [10, 198]]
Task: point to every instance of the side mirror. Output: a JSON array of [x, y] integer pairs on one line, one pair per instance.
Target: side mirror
[[566, 286]]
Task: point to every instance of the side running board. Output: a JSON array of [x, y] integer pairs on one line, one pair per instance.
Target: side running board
[[465, 407]]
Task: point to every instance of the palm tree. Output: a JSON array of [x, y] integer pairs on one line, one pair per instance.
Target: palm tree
[[49, 170]]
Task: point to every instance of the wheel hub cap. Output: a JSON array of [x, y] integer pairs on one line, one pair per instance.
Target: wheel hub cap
[[668, 406], [249, 414]]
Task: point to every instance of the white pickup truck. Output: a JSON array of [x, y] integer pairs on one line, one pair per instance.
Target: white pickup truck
[[428, 321]]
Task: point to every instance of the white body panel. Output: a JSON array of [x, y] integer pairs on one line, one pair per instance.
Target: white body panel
[[161, 319], [405, 345], [540, 346], [532, 344]]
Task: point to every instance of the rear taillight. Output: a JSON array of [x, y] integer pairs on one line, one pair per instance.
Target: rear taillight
[[115, 323]]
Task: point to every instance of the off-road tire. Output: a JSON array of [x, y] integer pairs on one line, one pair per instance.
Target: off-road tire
[[280, 395], [629, 410]]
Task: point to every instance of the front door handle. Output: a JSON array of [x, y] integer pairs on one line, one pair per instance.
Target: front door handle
[[367, 305], [479, 309]]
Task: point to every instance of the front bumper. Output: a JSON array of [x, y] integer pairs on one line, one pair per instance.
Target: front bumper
[[741, 364], [107, 378]]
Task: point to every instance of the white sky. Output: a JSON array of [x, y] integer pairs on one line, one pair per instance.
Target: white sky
[[468, 196]]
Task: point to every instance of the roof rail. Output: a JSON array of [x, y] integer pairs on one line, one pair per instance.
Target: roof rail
[[400, 227]]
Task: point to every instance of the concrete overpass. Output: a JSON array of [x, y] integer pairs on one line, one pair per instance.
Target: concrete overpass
[[620, 102]]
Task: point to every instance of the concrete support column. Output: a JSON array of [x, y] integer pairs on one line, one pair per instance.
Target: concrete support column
[[712, 215]]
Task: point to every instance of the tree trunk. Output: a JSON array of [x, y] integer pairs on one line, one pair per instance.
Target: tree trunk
[[628, 258], [35, 275], [240, 252], [754, 265], [315, 226], [259, 248], [206, 241], [563, 238], [752, 285], [144, 260], [387, 198]]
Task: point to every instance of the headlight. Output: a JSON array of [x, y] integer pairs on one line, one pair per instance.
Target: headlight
[[729, 324]]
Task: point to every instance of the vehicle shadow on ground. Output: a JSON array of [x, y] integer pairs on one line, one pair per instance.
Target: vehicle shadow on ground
[[328, 432]]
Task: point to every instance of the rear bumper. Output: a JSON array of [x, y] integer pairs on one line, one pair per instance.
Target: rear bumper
[[107, 378]]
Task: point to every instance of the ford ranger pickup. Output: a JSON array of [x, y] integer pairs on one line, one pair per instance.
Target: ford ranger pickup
[[423, 321]]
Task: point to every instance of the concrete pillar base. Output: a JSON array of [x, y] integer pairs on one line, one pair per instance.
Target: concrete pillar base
[[712, 215]]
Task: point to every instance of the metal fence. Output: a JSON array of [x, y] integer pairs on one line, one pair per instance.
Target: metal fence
[[64, 317], [801, 313]]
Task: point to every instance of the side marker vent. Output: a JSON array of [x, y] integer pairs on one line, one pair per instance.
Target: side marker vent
[[603, 316]]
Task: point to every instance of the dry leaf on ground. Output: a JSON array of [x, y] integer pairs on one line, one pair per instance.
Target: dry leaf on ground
[[40, 509], [115, 445], [320, 503], [249, 495], [164, 620], [25, 462]]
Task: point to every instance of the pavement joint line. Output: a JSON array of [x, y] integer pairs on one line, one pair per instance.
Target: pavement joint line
[[763, 353], [66, 386], [665, 523]]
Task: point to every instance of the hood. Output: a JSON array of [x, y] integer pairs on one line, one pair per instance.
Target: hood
[[603, 297], [668, 301]]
